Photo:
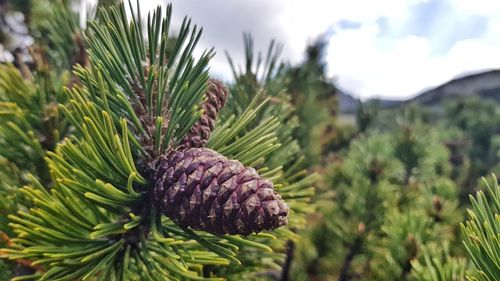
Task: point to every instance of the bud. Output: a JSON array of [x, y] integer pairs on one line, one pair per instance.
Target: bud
[[412, 246], [438, 204], [361, 228]]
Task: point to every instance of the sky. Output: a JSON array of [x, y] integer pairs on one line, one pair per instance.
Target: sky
[[385, 48]]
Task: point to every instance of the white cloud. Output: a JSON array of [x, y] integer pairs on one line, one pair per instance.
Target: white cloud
[[304, 20], [362, 60], [406, 68], [480, 7], [367, 65], [354, 56]]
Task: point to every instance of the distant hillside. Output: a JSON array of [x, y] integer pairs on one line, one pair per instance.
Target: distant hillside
[[484, 84], [347, 103]]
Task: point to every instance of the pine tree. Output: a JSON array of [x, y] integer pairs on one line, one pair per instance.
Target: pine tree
[[394, 204], [477, 119], [129, 170], [479, 239], [314, 97], [122, 159]]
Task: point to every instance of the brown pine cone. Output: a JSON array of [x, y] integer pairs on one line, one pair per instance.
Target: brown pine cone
[[204, 190], [215, 98]]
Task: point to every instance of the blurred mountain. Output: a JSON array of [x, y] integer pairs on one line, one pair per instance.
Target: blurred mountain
[[483, 84], [347, 103]]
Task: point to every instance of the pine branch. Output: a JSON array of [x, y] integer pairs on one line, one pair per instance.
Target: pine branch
[[146, 72], [258, 131], [439, 264], [60, 37], [134, 105], [480, 231]]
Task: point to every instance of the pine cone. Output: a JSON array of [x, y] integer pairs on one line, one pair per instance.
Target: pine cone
[[215, 98], [204, 190]]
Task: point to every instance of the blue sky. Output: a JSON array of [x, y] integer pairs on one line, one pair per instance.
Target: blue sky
[[387, 48]]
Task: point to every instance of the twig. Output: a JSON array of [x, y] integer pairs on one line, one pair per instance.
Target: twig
[[5, 237], [290, 250], [346, 265]]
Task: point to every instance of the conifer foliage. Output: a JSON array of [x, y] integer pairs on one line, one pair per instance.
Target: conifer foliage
[[480, 232], [122, 159], [140, 180], [394, 207]]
